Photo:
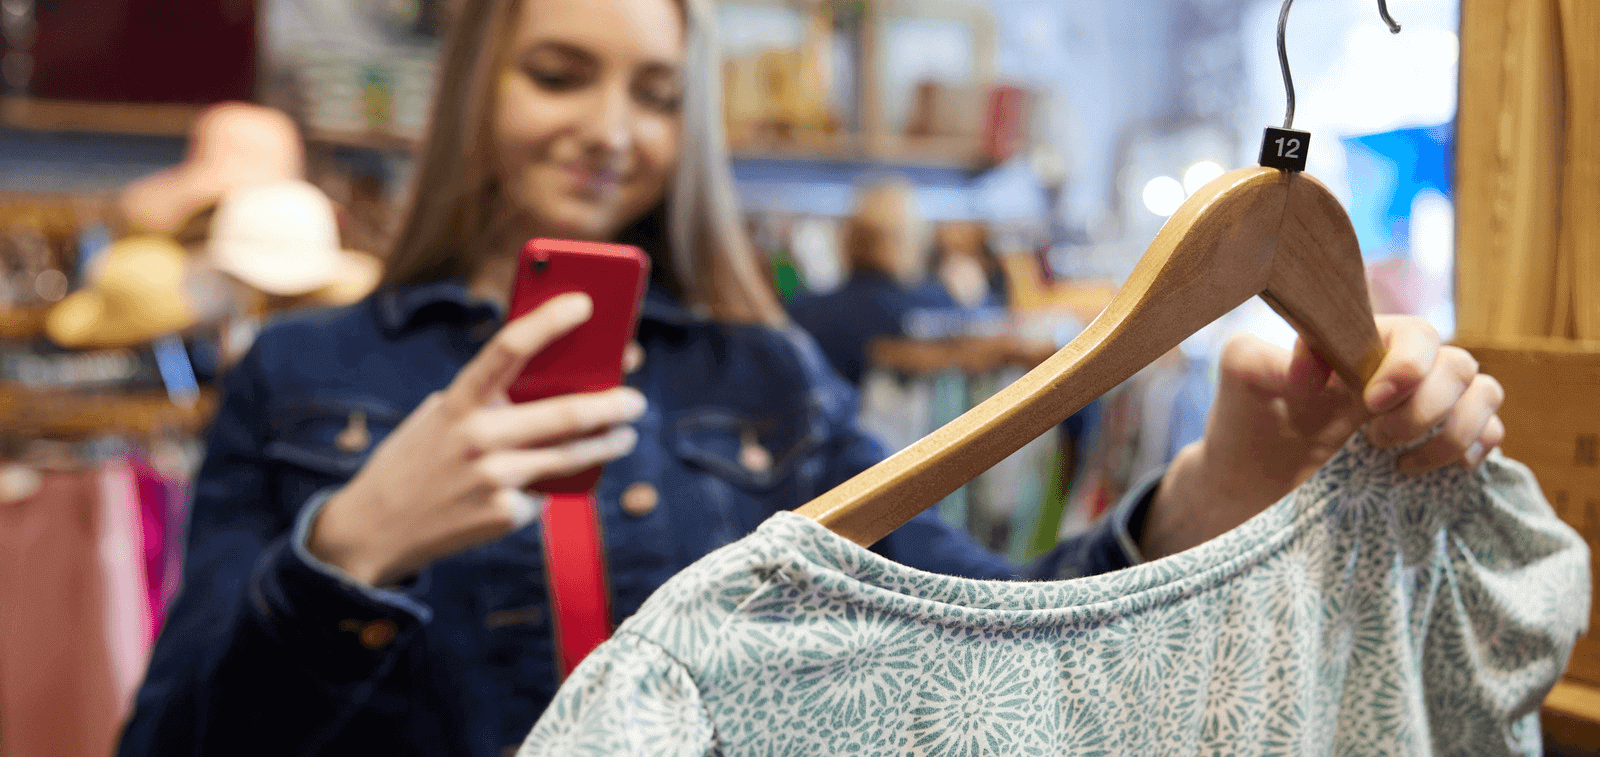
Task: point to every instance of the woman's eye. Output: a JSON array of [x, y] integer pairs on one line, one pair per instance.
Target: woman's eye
[[555, 81], [663, 97]]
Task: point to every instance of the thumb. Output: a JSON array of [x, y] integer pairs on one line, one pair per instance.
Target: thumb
[[1307, 375], [1255, 365]]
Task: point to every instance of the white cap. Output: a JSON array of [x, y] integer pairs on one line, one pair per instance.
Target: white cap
[[281, 238]]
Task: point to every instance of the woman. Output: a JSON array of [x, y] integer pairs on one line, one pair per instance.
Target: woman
[[362, 576]]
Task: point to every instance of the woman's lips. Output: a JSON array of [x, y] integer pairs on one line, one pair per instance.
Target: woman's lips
[[593, 182]]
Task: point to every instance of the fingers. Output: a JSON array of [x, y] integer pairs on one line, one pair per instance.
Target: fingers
[[1256, 364], [519, 508], [505, 510], [497, 365], [632, 358], [1493, 436], [1413, 346], [1308, 374], [1438, 395], [1467, 435], [517, 468], [511, 426]]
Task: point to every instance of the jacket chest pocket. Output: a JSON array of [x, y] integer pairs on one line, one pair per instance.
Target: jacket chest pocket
[[323, 443], [774, 455]]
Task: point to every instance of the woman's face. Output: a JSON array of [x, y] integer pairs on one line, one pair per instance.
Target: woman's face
[[587, 123]]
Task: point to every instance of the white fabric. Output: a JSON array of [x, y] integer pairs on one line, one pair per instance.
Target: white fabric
[[1367, 613]]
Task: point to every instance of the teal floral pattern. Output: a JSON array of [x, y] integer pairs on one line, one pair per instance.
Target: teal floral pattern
[[1366, 613]]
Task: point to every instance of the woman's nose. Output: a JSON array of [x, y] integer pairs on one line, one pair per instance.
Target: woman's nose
[[609, 127]]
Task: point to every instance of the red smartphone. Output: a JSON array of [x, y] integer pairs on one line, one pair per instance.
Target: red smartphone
[[589, 358]]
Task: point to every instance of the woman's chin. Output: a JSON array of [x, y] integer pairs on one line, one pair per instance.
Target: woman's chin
[[571, 219]]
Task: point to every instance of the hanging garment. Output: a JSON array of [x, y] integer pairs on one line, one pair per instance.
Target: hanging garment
[[63, 687], [122, 560], [951, 397], [1366, 613], [153, 509]]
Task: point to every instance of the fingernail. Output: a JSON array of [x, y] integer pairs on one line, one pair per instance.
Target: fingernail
[[1379, 396], [574, 305], [1475, 454], [622, 439], [525, 508], [631, 403]]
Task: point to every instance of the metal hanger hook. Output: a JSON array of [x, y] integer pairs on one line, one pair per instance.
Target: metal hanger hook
[[1283, 52]]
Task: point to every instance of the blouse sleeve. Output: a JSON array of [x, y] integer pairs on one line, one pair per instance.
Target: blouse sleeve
[[628, 697], [1513, 597]]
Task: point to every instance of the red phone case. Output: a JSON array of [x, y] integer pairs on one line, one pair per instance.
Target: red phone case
[[589, 359]]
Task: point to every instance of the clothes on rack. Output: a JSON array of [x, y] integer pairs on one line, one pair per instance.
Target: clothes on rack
[[86, 567], [163, 504], [1028, 502], [1003, 506], [1368, 612], [1142, 425], [66, 668]]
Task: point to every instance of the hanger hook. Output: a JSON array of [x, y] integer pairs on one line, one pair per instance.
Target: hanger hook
[[1283, 53]]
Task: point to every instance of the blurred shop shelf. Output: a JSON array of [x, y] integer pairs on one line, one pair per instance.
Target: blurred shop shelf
[[932, 152], [375, 141], [947, 153], [53, 414], [138, 119], [19, 324]]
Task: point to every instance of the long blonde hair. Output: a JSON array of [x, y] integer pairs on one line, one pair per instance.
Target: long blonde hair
[[695, 237]]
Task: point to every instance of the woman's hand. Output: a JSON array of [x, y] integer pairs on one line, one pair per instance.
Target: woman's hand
[[1279, 416], [452, 475]]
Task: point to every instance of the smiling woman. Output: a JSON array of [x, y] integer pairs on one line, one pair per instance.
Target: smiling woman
[[383, 592], [586, 120]]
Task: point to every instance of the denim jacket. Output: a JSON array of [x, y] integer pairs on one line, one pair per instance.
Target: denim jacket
[[269, 651]]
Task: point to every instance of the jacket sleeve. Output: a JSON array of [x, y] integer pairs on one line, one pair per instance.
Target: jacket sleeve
[[930, 543], [264, 651]]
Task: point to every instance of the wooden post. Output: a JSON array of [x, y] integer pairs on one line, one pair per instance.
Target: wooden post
[[1528, 266]]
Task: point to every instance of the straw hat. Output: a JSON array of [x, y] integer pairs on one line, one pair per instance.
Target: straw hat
[[231, 145], [283, 239], [137, 294]]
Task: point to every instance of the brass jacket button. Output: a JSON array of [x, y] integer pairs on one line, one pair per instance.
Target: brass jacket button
[[640, 499], [378, 634]]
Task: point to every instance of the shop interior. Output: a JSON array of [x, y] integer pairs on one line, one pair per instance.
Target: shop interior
[[1007, 161]]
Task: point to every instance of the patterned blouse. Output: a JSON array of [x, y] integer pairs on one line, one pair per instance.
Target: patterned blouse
[[1368, 612]]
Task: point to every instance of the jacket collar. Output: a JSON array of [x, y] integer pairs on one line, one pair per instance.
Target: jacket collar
[[401, 309]]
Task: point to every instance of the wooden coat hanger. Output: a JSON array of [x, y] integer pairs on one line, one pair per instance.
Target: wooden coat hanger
[[1261, 231], [1255, 231]]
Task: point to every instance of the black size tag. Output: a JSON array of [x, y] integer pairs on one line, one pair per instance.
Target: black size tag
[[1285, 149]]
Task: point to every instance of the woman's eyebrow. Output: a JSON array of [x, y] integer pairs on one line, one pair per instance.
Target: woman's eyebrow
[[658, 68], [564, 49]]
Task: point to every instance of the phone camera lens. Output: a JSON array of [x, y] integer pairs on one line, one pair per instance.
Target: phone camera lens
[[539, 265]]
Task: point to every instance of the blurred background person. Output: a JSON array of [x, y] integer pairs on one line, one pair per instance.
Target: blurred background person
[[885, 248]]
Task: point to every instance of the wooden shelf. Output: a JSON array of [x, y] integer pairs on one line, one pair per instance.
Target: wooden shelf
[[52, 414], [917, 152], [22, 324], [136, 119], [375, 141], [972, 355]]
